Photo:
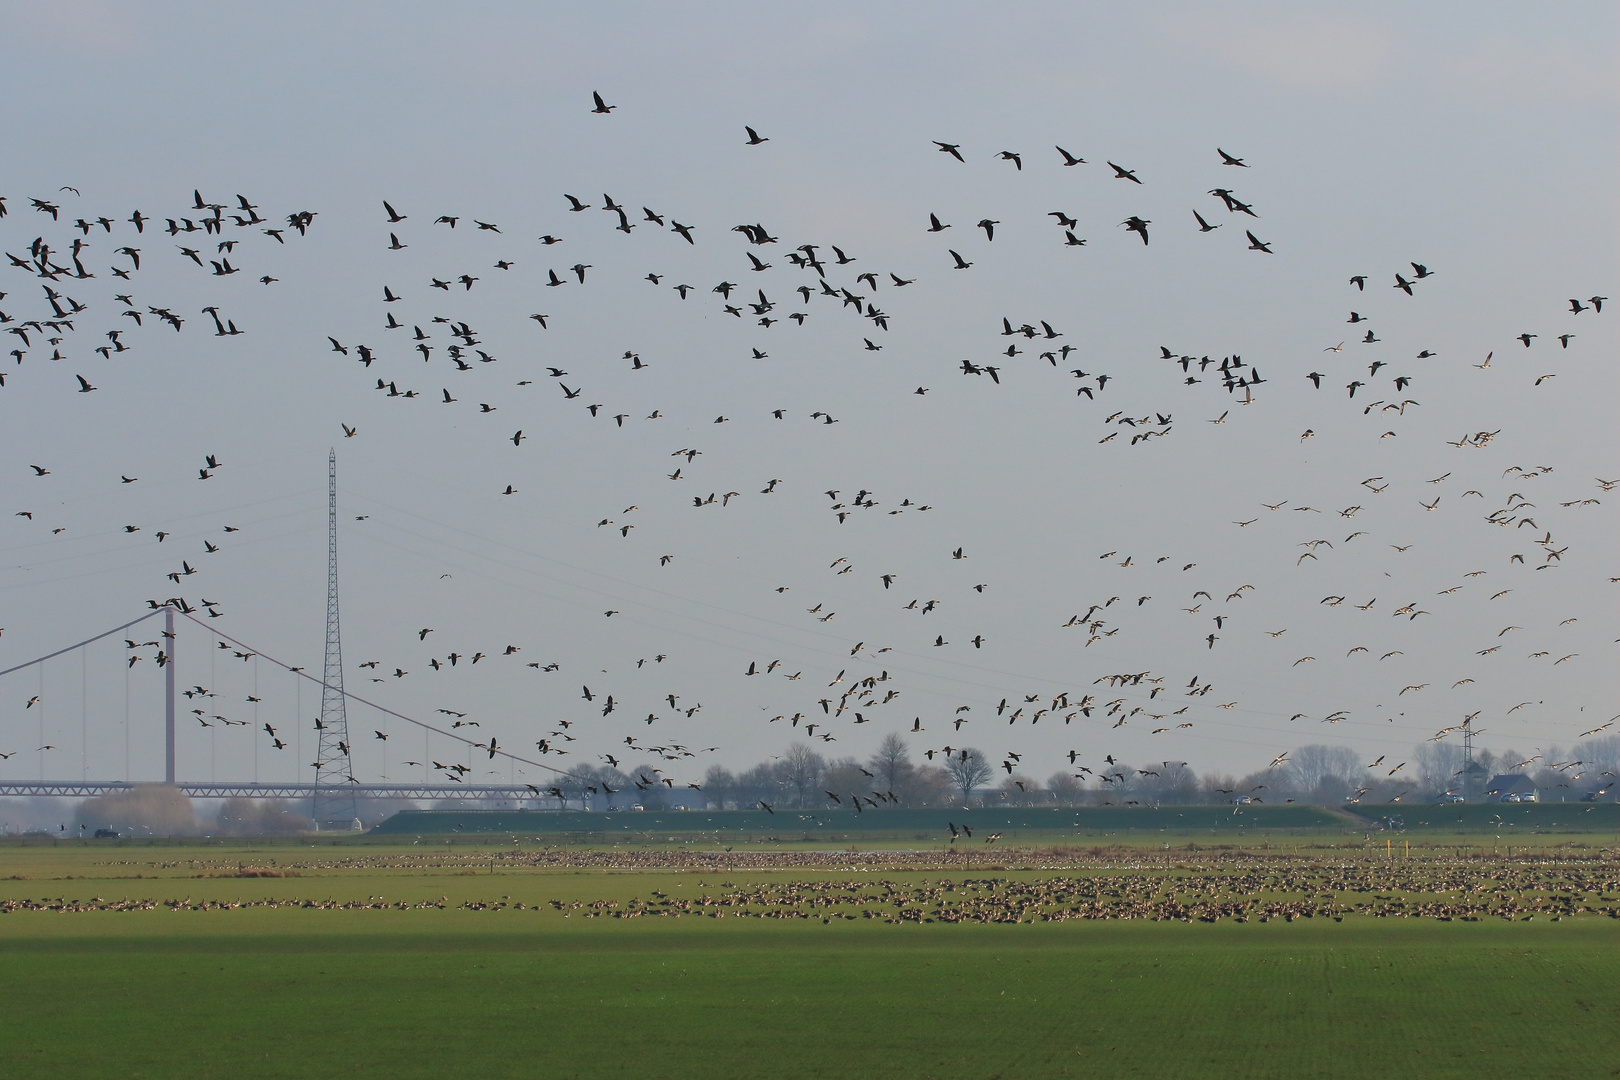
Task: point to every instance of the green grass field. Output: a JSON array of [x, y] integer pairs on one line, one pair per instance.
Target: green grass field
[[722, 1001], [472, 985], [1506, 819]]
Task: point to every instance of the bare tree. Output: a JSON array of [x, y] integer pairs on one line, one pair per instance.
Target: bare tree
[[1439, 768], [1324, 773], [844, 777], [719, 786], [1019, 790], [1602, 757], [755, 785], [1064, 788], [650, 789], [892, 763], [1167, 782], [570, 787], [608, 782], [929, 786], [802, 769], [968, 769], [1600, 754], [141, 810], [247, 817]]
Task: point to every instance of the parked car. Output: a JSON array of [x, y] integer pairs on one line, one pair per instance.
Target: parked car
[[1450, 797]]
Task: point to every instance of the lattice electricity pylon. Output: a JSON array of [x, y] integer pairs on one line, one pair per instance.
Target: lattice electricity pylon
[[333, 805], [1468, 758]]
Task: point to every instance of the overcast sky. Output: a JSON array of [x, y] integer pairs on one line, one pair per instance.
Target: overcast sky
[[1476, 140]]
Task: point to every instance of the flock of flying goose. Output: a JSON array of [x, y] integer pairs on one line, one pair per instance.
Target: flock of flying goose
[[77, 289]]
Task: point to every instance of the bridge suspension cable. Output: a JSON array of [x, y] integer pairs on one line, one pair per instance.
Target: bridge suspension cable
[[82, 644], [166, 659], [349, 694]]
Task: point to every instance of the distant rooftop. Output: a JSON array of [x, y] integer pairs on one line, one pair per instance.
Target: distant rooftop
[[1510, 784]]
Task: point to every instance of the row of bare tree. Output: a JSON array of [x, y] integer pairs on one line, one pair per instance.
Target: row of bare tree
[[1315, 774]]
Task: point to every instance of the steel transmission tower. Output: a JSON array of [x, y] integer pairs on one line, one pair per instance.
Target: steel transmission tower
[[1468, 757], [333, 802]]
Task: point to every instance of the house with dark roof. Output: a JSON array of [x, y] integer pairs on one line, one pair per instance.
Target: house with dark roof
[[1510, 787]]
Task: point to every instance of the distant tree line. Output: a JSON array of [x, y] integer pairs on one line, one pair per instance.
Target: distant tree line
[[801, 778], [1318, 774]]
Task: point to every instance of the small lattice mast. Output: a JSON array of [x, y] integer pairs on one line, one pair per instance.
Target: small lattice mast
[[333, 803]]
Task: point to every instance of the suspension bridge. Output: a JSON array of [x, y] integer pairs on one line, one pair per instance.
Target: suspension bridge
[[89, 697], [60, 718]]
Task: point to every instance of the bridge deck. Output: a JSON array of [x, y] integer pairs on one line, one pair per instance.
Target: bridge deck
[[83, 789]]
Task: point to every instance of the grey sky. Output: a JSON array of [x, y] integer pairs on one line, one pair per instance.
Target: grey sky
[[1478, 140]]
